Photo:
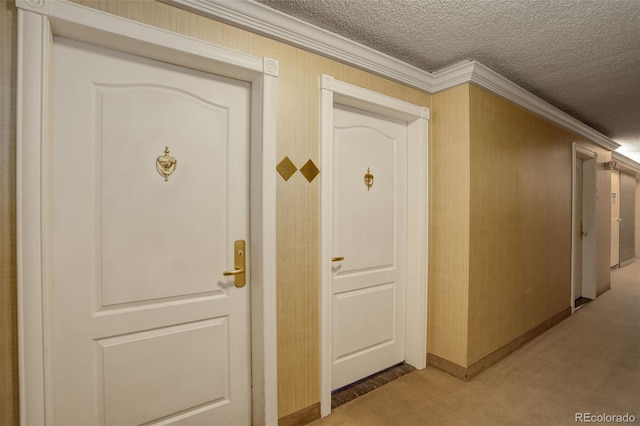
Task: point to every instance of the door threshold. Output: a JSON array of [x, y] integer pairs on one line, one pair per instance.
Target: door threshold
[[356, 389], [581, 301]]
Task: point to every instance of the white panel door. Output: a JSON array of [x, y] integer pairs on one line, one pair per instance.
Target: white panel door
[[142, 326], [615, 218], [578, 231], [368, 229]]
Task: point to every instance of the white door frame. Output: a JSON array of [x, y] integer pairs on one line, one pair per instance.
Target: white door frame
[[589, 211], [338, 92], [38, 22]]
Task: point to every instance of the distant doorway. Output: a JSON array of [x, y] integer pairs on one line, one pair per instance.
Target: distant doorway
[[583, 287], [615, 218], [627, 231]]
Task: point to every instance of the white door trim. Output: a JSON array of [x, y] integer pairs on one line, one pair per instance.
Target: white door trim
[[338, 92], [589, 210], [38, 22]]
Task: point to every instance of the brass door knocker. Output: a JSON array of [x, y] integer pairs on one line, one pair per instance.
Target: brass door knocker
[[166, 164], [368, 179]]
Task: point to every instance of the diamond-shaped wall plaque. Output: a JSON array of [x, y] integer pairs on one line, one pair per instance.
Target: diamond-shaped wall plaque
[[286, 168], [309, 170]]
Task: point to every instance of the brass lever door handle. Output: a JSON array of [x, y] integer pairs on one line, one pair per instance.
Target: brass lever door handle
[[337, 259], [239, 269]]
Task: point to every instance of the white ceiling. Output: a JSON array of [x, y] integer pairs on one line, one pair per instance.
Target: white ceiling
[[582, 56]]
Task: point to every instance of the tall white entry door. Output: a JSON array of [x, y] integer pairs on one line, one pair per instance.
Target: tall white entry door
[[579, 231], [584, 220], [615, 218], [142, 327], [369, 235]]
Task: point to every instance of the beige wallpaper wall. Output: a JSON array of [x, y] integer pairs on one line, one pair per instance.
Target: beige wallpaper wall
[[449, 225], [520, 240], [500, 230], [8, 337]]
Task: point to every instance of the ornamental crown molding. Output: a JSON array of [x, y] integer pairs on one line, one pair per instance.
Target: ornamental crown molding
[[486, 78], [626, 163], [274, 24], [263, 20], [255, 17]]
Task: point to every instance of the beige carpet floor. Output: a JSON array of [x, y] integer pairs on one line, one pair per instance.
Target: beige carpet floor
[[589, 363]]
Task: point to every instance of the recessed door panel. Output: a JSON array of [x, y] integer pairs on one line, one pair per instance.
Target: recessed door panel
[[367, 320], [142, 323], [138, 216], [367, 214], [178, 367]]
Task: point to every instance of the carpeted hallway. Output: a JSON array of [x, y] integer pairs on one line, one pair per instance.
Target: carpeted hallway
[[589, 363]]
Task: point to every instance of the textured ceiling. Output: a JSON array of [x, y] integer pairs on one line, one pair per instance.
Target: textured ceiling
[[582, 56]]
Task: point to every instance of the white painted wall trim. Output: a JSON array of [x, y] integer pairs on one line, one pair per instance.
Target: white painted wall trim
[[326, 208], [261, 19], [38, 22], [584, 153], [337, 92]]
